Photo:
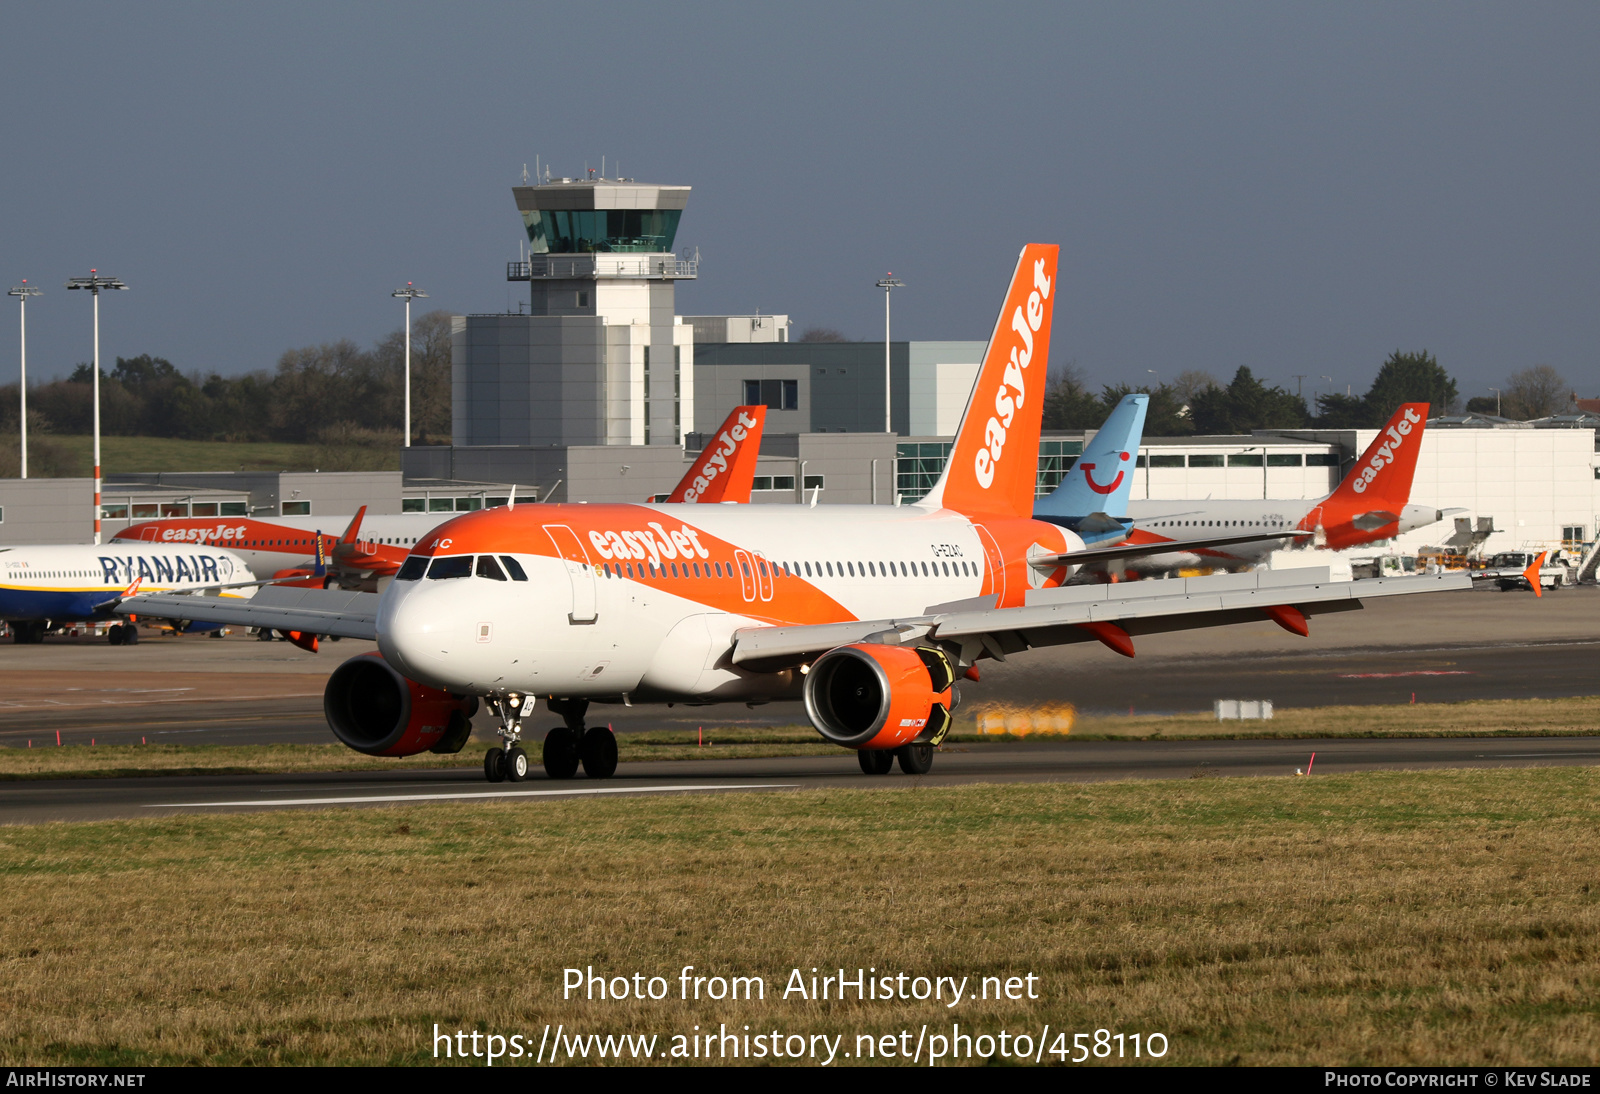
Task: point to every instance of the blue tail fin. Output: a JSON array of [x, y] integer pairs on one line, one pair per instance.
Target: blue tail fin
[[1102, 479]]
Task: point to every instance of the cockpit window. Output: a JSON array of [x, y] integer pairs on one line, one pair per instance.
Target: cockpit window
[[514, 568], [488, 567], [450, 566], [412, 569]]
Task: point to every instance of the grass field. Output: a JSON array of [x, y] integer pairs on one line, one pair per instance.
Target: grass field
[[1395, 918], [65, 455], [1489, 718]]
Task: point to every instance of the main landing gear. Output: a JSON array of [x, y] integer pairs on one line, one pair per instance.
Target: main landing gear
[[914, 759], [565, 748], [122, 634]]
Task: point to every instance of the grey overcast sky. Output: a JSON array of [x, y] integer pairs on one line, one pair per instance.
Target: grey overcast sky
[[1301, 188]]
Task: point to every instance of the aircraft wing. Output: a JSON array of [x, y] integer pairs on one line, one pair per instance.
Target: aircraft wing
[[279, 607], [1113, 614], [1166, 547]]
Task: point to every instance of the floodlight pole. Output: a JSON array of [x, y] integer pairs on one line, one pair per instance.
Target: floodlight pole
[[408, 294], [888, 285], [22, 292], [96, 284]]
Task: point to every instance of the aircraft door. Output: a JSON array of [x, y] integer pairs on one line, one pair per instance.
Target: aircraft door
[[996, 578], [764, 577], [747, 574], [580, 572]]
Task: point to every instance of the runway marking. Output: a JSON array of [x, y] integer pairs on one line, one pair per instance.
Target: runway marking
[[1390, 675], [482, 794]]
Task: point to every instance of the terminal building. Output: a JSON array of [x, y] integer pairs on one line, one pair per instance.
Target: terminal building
[[596, 389]]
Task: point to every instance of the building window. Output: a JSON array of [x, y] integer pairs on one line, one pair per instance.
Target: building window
[[1322, 459], [414, 505], [1205, 461], [583, 299], [1245, 459], [778, 482], [1055, 460], [1572, 534], [772, 394], [235, 509], [441, 505], [647, 395], [203, 509], [146, 512], [297, 508], [814, 482], [468, 505], [1166, 461], [113, 512], [1280, 459]]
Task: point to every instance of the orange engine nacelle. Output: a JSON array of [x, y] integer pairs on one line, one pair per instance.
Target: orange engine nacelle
[[880, 697], [375, 710]]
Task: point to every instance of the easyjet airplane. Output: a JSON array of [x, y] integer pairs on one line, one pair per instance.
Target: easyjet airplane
[[372, 548], [867, 613], [1371, 504]]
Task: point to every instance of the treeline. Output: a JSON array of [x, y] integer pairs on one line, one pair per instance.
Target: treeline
[[1197, 403], [332, 394]]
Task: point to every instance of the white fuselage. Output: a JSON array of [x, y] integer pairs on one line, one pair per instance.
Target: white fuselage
[[73, 582], [606, 625]]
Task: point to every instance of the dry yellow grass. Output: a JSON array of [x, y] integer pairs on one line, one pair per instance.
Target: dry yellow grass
[[1440, 917]]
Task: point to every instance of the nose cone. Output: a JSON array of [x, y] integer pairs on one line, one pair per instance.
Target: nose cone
[[421, 630], [1419, 516]]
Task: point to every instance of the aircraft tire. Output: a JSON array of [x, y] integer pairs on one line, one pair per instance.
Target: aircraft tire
[[516, 764], [875, 761], [493, 765], [560, 753], [114, 634], [915, 759], [599, 752], [130, 634]]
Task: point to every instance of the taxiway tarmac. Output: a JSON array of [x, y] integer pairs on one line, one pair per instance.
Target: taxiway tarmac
[[1434, 648], [1052, 761]]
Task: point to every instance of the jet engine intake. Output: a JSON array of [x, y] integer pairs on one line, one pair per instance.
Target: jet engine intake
[[869, 696], [373, 709]]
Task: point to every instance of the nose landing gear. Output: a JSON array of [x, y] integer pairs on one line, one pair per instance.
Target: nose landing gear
[[565, 748]]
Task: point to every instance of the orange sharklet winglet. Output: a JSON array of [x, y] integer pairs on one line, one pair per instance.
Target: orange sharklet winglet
[[1532, 573]]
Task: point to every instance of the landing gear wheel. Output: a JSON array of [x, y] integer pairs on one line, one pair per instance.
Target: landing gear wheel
[[915, 759], [494, 765], [114, 635], [516, 764], [560, 753], [130, 634], [875, 761], [599, 751]]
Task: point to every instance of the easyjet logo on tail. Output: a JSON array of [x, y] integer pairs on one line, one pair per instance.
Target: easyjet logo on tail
[[1025, 322], [727, 467], [1388, 449]]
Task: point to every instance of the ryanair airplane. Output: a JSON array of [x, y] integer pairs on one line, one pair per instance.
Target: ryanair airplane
[[42, 587]]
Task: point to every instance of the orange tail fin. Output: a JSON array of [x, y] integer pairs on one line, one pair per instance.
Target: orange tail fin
[[1366, 506], [727, 467], [994, 463], [1532, 573]]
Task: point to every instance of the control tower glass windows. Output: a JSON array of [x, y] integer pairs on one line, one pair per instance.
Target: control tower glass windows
[[584, 231]]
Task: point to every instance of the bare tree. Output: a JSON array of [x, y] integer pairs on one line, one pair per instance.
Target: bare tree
[[1191, 382], [821, 334], [1536, 392]]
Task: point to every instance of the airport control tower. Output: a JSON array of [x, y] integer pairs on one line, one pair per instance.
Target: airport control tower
[[599, 355]]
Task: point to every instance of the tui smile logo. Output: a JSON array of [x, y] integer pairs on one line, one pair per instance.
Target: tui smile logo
[[1088, 475]]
